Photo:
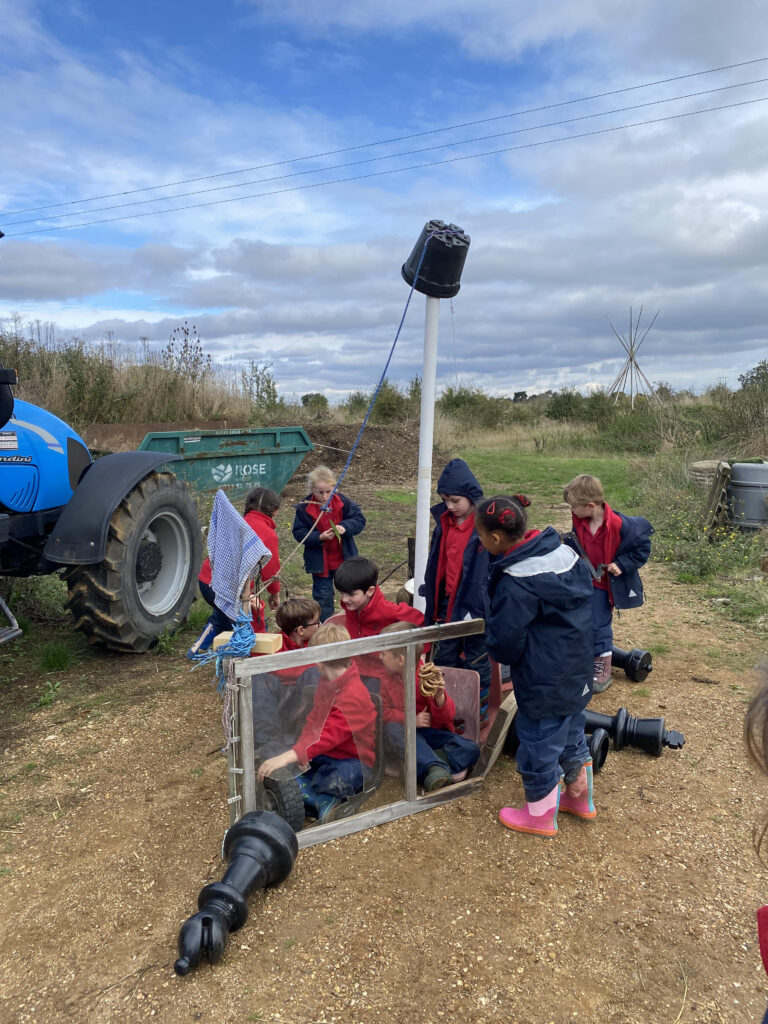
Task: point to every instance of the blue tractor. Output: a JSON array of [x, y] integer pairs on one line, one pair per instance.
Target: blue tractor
[[125, 535]]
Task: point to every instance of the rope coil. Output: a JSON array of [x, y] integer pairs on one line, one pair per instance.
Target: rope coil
[[431, 679]]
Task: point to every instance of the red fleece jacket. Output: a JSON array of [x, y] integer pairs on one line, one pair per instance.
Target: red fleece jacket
[[601, 546], [370, 620], [341, 723], [393, 704]]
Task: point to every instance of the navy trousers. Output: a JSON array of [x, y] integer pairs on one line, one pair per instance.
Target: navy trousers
[[550, 749], [341, 777], [460, 753], [602, 618]]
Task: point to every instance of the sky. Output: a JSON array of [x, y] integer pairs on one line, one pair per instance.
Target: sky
[[263, 169]]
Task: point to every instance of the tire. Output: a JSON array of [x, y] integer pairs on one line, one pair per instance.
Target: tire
[[148, 579], [284, 797]]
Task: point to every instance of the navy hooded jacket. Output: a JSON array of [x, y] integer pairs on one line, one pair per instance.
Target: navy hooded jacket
[[457, 478], [539, 622], [632, 553], [352, 519]]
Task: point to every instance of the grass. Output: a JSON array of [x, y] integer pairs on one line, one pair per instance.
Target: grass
[[49, 694]]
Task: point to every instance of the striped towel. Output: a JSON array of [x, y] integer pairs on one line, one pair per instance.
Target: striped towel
[[236, 554]]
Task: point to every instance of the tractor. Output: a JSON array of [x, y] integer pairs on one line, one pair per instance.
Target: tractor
[[124, 533]]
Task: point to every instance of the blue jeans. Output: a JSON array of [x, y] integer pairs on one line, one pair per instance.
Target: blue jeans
[[602, 616], [323, 593], [341, 777], [550, 748], [460, 753]]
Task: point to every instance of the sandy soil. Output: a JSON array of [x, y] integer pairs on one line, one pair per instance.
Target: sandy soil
[[113, 810]]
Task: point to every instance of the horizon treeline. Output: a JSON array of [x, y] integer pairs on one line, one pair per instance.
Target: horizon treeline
[[110, 382]]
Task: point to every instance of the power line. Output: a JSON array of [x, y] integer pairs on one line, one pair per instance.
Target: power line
[[392, 156], [385, 142], [395, 170]]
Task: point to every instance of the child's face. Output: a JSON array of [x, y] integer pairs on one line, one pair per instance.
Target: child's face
[[494, 542], [457, 505], [393, 663], [322, 490], [583, 510], [356, 599]]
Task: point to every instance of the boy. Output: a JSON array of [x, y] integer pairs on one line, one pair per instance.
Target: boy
[[336, 748], [280, 699], [327, 536], [367, 612], [456, 573], [442, 756], [614, 546]]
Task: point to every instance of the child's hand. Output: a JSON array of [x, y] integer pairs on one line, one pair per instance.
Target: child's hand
[[326, 535], [268, 767], [613, 569], [423, 719], [439, 697], [273, 601], [340, 529]]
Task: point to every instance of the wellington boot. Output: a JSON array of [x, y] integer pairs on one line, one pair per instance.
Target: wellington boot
[[601, 676], [576, 797], [538, 818]]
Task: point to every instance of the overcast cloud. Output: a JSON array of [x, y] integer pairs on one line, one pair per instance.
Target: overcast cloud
[[669, 215]]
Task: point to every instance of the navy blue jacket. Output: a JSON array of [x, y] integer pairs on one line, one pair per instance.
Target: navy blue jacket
[[632, 553], [352, 519], [457, 478], [539, 622]]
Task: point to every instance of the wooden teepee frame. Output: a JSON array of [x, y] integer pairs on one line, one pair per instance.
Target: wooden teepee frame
[[630, 371]]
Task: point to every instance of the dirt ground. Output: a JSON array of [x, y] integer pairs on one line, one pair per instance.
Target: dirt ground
[[113, 809]]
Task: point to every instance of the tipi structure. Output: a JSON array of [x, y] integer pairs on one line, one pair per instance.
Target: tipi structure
[[630, 372]]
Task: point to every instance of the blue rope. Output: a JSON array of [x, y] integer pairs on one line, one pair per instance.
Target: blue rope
[[240, 646]]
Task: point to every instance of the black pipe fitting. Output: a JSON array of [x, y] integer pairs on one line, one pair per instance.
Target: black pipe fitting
[[261, 849], [598, 749], [647, 734], [443, 262], [637, 664]]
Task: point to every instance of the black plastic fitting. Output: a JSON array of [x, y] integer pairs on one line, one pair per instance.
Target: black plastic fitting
[[261, 849], [647, 734], [446, 251], [599, 743], [637, 664]]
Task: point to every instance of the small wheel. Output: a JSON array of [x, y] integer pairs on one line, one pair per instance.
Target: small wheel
[[283, 796], [511, 741]]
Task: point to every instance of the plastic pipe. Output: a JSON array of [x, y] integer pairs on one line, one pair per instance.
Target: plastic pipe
[[426, 437]]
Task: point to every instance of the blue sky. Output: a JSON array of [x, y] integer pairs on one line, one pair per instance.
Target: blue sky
[[105, 100]]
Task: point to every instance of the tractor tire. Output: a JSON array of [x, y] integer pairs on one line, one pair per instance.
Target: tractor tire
[[283, 796], [148, 579]]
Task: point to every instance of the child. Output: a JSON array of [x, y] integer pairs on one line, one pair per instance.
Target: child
[[442, 756], [616, 545], [260, 506], [367, 612], [756, 737], [329, 541], [456, 573], [539, 622], [336, 748], [280, 698]]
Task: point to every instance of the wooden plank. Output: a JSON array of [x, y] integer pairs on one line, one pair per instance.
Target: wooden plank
[[381, 815], [247, 667], [497, 734], [247, 758], [409, 674]]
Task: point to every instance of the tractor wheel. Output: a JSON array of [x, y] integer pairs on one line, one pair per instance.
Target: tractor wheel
[[283, 796], [148, 579]]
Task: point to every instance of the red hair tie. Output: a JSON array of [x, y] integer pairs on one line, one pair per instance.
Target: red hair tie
[[521, 498], [507, 514]]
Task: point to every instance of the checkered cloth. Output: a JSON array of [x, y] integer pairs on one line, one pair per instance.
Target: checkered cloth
[[236, 554]]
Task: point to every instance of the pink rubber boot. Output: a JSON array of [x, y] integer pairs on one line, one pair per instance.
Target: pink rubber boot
[[576, 798], [539, 818]]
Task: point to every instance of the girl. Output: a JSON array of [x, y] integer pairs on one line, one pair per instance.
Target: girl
[[329, 540], [539, 622], [756, 736], [260, 506]]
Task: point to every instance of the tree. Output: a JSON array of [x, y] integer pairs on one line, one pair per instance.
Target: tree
[[314, 402], [183, 356], [756, 378]]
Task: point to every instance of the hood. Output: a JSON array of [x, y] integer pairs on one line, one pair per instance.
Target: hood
[[458, 478]]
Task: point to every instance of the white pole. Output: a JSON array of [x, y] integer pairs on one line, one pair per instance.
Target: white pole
[[426, 435]]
